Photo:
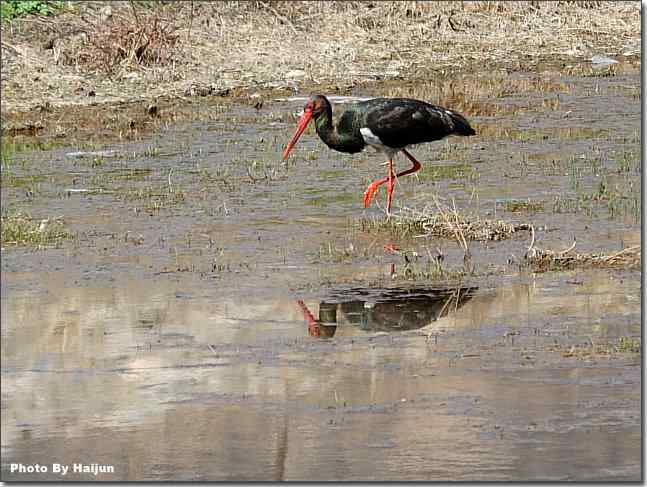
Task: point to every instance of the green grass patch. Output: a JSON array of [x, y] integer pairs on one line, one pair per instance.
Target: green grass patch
[[16, 145], [11, 9], [447, 171], [624, 345], [106, 179], [628, 161], [23, 230], [400, 228], [628, 345], [154, 198], [321, 198], [518, 206], [10, 180]]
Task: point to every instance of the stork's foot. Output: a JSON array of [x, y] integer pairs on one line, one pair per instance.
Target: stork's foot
[[370, 192]]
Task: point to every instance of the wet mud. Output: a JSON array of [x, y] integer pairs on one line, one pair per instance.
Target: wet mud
[[212, 312]]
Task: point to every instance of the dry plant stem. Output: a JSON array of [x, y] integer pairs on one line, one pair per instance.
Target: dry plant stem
[[624, 251], [532, 240], [280, 17], [564, 252], [188, 34], [452, 227], [438, 223], [543, 260], [460, 232]]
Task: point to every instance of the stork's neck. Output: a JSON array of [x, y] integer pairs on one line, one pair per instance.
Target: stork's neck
[[330, 134], [325, 128]]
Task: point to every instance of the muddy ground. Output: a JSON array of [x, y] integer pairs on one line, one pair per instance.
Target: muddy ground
[[161, 329]]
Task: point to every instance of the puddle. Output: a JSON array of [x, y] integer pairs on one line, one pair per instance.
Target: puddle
[[173, 365], [215, 313]]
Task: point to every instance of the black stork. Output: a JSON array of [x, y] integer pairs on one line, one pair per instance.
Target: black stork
[[389, 125]]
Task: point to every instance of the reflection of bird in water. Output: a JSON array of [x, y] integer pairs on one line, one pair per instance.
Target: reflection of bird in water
[[315, 327], [385, 309]]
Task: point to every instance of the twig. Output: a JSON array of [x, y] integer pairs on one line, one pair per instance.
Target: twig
[[628, 249], [460, 230], [449, 300], [564, 252], [13, 48], [132, 6], [21, 52], [451, 24], [249, 173], [532, 239], [188, 34]]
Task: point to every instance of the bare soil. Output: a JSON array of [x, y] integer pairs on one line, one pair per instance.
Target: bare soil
[[125, 54]]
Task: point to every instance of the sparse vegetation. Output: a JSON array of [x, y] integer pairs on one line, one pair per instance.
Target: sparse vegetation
[[10, 180], [429, 268], [517, 206], [12, 146], [447, 171], [154, 198], [614, 200], [623, 345], [628, 345], [628, 161], [547, 260], [333, 253], [441, 221], [21, 229]]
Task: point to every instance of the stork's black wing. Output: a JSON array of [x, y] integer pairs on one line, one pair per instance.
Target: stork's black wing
[[399, 122]]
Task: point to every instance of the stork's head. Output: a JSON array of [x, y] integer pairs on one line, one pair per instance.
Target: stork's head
[[317, 105]]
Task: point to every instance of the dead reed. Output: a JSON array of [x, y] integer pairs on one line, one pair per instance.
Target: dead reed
[[547, 260], [445, 222], [123, 39]]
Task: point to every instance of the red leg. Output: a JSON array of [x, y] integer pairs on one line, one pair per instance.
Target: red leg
[[389, 188], [372, 188], [416, 165], [313, 326]]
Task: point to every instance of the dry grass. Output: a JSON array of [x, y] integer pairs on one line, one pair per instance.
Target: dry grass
[[445, 222], [295, 45], [547, 260], [123, 40]]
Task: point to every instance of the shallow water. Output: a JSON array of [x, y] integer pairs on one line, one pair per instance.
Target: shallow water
[[166, 338], [234, 388]]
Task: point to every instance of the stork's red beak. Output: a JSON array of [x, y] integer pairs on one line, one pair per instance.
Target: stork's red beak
[[303, 123]]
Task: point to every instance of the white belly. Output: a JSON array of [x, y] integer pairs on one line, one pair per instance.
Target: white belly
[[374, 141]]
